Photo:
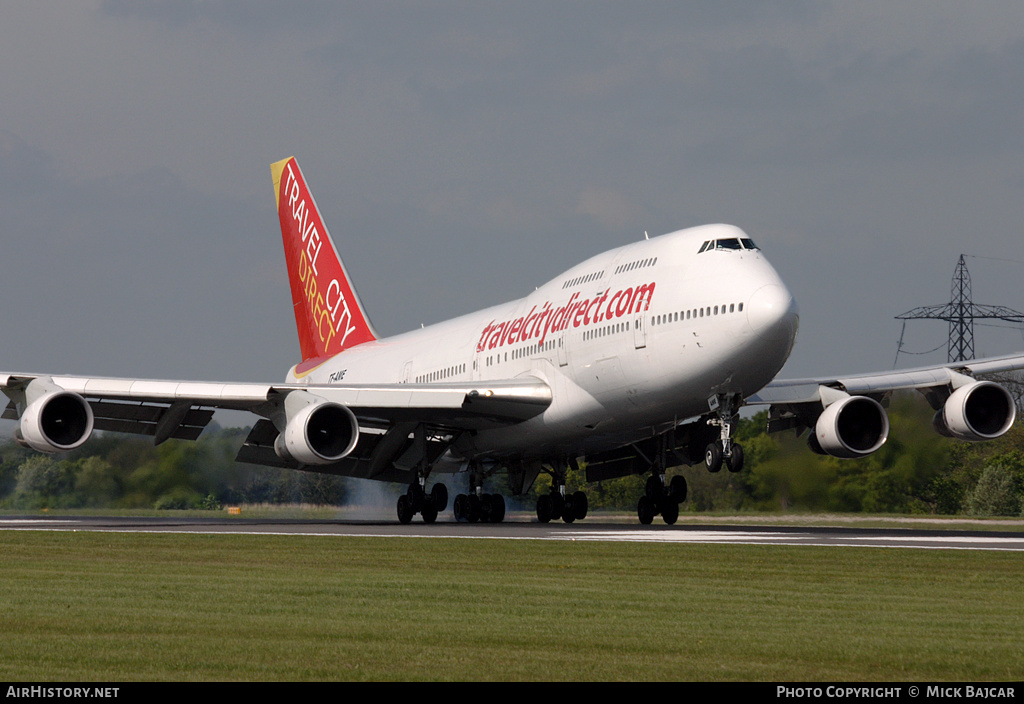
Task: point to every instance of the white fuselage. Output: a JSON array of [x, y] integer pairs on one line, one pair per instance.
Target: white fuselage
[[631, 340]]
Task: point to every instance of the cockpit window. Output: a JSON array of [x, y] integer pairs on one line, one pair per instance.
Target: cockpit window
[[729, 243]]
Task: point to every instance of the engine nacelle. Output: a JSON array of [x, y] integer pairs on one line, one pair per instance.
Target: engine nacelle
[[851, 427], [317, 432], [54, 420], [980, 411]]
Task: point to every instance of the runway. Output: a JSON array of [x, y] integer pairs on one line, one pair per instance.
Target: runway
[[523, 528]]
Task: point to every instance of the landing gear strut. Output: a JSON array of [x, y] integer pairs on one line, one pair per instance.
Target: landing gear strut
[[724, 450], [560, 504]]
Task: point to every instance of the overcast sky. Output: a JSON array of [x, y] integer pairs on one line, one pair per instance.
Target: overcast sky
[[463, 153]]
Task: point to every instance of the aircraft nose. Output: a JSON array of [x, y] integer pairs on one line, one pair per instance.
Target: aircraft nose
[[772, 313]]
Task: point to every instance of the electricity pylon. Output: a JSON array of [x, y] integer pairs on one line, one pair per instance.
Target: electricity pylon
[[961, 313]]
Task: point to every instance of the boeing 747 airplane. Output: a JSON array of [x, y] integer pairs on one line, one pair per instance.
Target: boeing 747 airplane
[[636, 360]]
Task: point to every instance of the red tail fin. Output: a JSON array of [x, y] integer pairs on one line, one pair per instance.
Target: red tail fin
[[328, 313]]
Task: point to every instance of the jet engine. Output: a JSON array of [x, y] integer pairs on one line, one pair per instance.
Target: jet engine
[[982, 410], [853, 426], [317, 431], [54, 420]]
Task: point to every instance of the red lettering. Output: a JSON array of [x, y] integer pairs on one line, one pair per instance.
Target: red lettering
[[581, 308], [627, 299], [514, 332], [611, 304], [483, 337], [533, 324]]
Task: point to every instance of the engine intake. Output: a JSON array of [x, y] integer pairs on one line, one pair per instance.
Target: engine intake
[[851, 427], [318, 432], [980, 411], [54, 420]]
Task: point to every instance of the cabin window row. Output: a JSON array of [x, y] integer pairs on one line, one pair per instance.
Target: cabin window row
[[676, 316], [605, 330], [521, 352], [638, 264], [586, 278], [441, 374]]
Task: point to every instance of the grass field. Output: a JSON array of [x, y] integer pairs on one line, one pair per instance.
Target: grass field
[[124, 607]]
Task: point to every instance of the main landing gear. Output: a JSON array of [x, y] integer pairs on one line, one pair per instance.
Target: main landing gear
[[724, 450], [417, 500], [560, 504], [477, 505], [660, 498]]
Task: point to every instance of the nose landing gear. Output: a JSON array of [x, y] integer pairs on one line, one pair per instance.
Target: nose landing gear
[[724, 450]]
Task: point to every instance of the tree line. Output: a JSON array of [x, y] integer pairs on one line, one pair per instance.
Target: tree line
[[917, 471]]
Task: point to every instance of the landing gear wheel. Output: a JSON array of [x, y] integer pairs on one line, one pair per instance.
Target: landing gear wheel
[[459, 507], [580, 505], [472, 508], [735, 461], [429, 512], [557, 505], [405, 509], [713, 457], [645, 510], [497, 508], [485, 508], [416, 495], [439, 496], [677, 489], [544, 508], [669, 511], [568, 509]]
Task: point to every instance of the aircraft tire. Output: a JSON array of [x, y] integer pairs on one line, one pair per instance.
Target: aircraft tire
[[405, 511], [497, 508], [485, 508], [580, 504], [416, 496], [713, 457], [735, 462], [669, 511], [429, 512], [568, 509], [472, 508], [677, 489], [645, 510], [544, 508], [557, 505], [439, 494]]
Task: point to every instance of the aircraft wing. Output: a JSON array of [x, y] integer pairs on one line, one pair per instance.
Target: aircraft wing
[[838, 408], [317, 427]]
